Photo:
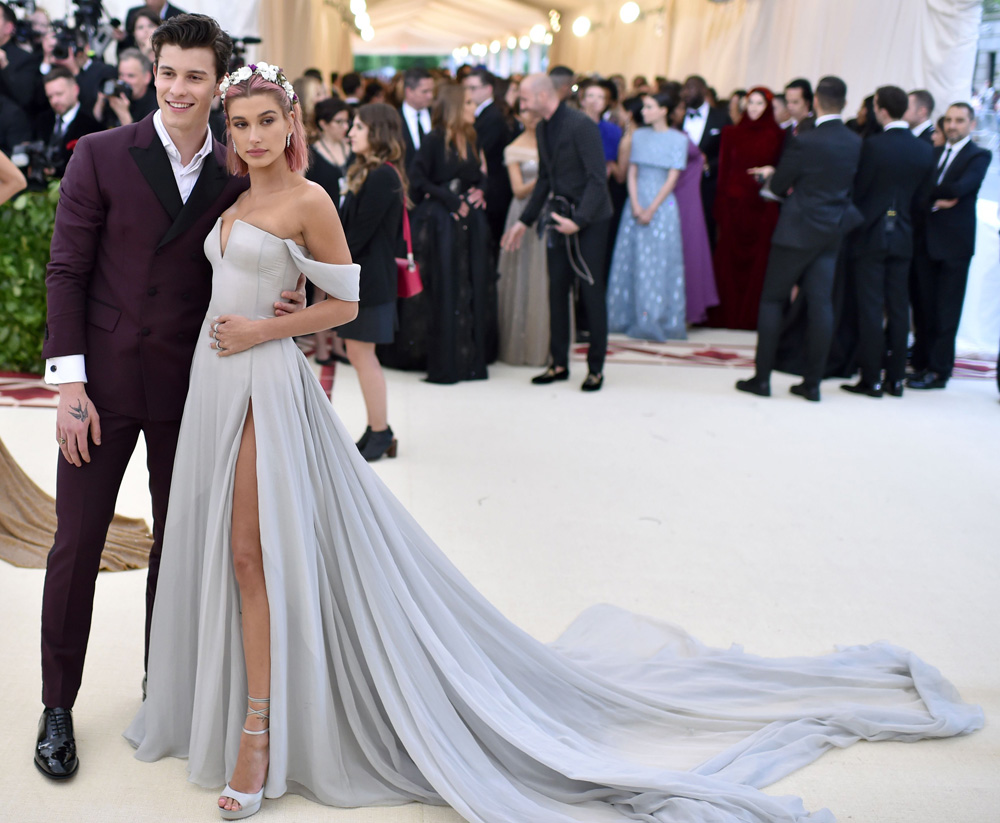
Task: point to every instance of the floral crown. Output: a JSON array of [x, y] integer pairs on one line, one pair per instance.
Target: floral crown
[[272, 74]]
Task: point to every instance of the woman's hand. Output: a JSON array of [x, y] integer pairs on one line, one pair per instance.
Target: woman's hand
[[232, 334], [645, 217], [476, 198], [463, 211]]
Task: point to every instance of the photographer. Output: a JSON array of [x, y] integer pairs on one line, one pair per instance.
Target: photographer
[[132, 97], [14, 125], [66, 123], [161, 9], [90, 73], [19, 76]]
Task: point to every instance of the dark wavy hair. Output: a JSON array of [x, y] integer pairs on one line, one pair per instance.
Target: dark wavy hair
[[385, 145], [194, 31], [448, 115]]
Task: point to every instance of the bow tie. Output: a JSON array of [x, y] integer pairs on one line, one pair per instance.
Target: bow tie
[[694, 113]]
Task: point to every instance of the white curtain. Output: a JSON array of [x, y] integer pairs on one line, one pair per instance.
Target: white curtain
[[911, 43]]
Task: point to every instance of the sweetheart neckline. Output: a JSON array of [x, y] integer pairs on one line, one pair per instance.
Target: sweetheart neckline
[[222, 251]]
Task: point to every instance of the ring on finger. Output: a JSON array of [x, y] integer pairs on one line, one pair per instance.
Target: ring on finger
[[62, 441]]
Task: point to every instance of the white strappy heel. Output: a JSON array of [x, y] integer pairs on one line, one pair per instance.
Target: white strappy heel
[[249, 803]]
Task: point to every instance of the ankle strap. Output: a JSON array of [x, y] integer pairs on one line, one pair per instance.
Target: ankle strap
[[263, 714], [259, 699]]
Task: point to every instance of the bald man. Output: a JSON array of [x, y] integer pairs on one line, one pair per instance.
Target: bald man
[[572, 193]]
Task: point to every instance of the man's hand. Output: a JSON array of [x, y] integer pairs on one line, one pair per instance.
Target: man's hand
[[761, 171], [511, 241], [120, 106], [564, 225], [232, 334], [76, 419], [296, 299], [463, 211], [945, 204]]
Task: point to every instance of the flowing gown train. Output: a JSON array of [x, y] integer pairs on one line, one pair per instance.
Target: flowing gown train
[[394, 680]]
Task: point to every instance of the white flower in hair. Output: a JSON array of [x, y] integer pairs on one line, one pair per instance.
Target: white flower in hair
[[241, 74], [270, 73]]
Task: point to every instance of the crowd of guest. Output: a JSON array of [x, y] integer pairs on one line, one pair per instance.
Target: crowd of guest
[[652, 207]]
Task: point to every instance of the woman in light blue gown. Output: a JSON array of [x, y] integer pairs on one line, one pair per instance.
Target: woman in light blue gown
[[377, 674], [646, 282]]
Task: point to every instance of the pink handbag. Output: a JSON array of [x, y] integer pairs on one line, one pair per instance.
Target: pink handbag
[[408, 283]]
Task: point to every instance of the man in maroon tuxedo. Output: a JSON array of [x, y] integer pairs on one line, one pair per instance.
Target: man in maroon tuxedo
[[128, 287]]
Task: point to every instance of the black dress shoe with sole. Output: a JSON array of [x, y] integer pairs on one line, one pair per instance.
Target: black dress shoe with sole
[[550, 375], [593, 382], [55, 750], [894, 389], [810, 393], [761, 388], [929, 380], [861, 387]]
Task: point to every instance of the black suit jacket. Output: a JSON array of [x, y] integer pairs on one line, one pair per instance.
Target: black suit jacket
[[82, 124], [571, 165], [411, 149], [951, 233], [15, 128], [818, 169], [492, 137], [927, 136], [711, 141], [373, 220], [21, 81], [896, 174], [90, 81]]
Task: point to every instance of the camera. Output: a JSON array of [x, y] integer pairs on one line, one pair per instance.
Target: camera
[[113, 88], [239, 57], [33, 159]]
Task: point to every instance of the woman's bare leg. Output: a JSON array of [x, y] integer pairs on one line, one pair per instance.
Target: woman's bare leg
[[251, 763], [362, 357]]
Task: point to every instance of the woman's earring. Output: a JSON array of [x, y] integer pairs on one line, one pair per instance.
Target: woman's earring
[[288, 140]]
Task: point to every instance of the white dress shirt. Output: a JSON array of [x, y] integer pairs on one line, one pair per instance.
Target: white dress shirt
[[896, 124], [412, 117], [65, 119], [918, 130], [482, 106], [694, 123], [71, 368], [948, 156], [827, 117]]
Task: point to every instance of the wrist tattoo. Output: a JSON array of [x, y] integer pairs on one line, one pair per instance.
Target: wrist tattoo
[[80, 412]]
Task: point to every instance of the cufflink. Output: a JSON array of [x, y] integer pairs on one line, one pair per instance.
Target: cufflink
[[52, 367]]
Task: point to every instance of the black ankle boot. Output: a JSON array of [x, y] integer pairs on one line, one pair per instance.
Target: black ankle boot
[[364, 439], [378, 444]]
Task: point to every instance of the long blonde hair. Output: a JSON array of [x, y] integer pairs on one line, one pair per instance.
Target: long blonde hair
[[448, 114]]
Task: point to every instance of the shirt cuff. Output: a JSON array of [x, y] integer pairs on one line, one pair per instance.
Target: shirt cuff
[[70, 368]]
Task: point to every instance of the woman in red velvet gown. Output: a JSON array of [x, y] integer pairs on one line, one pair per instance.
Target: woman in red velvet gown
[[745, 221]]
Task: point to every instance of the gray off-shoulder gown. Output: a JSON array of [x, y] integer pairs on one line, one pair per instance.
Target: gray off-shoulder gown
[[394, 680]]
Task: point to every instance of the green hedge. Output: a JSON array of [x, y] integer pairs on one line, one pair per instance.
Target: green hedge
[[26, 224]]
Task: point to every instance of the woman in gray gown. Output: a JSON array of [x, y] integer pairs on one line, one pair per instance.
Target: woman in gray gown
[[646, 282], [523, 288], [376, 673]]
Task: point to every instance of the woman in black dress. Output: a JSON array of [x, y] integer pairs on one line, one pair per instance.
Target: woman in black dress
[[372, 214], [447, 182]]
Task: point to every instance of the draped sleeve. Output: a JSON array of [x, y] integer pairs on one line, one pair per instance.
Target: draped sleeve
[[664, 150], [340, 281]]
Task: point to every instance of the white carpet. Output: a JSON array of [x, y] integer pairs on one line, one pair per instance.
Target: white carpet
[[786, 526]]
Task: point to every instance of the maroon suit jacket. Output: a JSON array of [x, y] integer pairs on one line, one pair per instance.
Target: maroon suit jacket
[[128, 281]]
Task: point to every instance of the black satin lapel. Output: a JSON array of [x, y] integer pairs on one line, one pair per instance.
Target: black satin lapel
[[155, 167], [211, 182]]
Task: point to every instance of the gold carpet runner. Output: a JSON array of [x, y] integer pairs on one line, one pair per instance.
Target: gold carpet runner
[[28, 523]]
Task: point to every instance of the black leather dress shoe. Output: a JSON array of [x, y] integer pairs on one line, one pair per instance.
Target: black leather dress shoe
[[55, 751], [762, 388], [550, 375], [928, 380], [810, 393], [861, 387], [894, 389], [593, 382]]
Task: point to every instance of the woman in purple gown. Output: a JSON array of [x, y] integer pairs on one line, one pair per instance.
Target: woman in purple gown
[[699, 276]]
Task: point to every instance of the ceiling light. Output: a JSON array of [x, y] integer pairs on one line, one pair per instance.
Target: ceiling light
[[581, 26], [368, 34], [537, 33], [630, 12], [358, 6], [524, 42], [362, 20], [495, 47], [548, 38]]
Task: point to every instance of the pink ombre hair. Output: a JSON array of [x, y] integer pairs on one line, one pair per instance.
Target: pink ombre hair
[[297, 153]]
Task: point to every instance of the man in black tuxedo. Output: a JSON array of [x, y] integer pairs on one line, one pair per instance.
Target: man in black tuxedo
[[949, 241], [816, 173], [20, 79], [920, 115], [894, 179], [67, 122], [704, 126], [799, 102], [15, 128], [90, 74], [572, 186], [418, 94], [492, 136]]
